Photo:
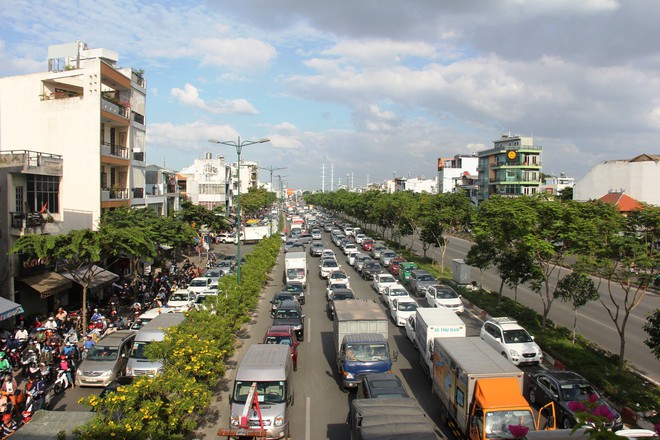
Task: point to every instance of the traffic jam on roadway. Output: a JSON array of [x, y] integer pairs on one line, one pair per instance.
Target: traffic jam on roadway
[[399, 344]]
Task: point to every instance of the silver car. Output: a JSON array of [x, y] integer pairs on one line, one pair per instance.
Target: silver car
[[106, 360]]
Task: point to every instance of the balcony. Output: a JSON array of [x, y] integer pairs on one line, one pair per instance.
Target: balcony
[[115, 109], [34, 223], [114, 193], [32, 162], [108, 149]]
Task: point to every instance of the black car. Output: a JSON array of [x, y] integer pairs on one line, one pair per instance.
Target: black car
[[370, 269], [338, 295], [316, 248], [277, 300], [290, 313], [297, 289], [562, 387], [384, 385]]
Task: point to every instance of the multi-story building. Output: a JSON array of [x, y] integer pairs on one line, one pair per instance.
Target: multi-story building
[[161, 190], [554, 185], [249, 176], [638, 177], [208, 182], [511, 168], [458, 174], [72, 140]]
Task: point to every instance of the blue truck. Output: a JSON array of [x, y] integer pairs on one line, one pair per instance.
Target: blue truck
[[361, 341]]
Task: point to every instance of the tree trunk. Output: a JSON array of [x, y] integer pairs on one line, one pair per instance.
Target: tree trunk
[[84, 310], [501, 288], [575, 315], [515, 293]]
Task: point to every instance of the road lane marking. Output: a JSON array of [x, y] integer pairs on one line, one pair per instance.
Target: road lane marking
[[308, 412]]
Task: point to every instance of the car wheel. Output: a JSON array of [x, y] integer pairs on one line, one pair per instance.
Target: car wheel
[[532, 396]]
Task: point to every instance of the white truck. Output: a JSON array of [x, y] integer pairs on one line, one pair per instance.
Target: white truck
[[295, 267], [431, 323], [253, 234]]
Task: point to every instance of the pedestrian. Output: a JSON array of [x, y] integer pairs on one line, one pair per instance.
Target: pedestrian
[[9, 426]]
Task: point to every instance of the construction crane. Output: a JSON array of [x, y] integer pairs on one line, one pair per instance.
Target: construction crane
[[244, 432]]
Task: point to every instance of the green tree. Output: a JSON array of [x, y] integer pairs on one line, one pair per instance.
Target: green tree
[[652, 328], [254, 201], [577, 289], [482, 255]]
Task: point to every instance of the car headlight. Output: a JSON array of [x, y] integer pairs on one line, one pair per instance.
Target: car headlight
[[279, 421], [348, 375], [107, 373], [302, 293], [514, 353], [78, 373]]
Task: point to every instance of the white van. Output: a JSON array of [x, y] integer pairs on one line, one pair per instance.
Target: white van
[[270, 367], [138, 362]]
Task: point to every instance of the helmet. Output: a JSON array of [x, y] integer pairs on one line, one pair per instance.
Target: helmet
[[89, 336], [6, 417], [63, 356], [50, 318], [2, 354], [96, 310]]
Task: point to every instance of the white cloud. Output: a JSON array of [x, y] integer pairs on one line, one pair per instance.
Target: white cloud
[[240, 54], [189, 96]]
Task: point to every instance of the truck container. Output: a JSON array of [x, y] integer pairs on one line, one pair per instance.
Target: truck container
[[431, 323], [481, 392], [361, 340], [252, 234], [295, 267], [389, 418]]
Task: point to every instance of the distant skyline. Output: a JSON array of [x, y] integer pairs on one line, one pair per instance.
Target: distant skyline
[[374, 87]]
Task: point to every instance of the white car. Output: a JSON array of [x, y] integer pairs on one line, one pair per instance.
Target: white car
[[382, 281], [349, 247], [339, 277], [359, 238], [410, 328], [204, 299], [199, 284], [512, 341], [328, 253], [327, 266], [401, 309], [181, 300], [316, 234], [350, 257], [335, 286], [439, 295], [393, 292]]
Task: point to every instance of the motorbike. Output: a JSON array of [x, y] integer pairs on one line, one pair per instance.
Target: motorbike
[[34, 401], [14, 358], [61, 382], [29, 358]]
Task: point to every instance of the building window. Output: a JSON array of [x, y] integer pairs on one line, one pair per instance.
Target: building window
[[20, 198], [43, 192]]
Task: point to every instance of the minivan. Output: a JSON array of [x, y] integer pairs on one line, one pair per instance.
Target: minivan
[[106, 360], [138, 362], [270, 368]]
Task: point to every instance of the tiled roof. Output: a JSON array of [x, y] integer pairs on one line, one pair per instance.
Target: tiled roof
[[622, 201]]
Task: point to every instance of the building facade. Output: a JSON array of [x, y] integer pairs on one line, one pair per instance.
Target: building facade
[[208, 182], [554, 185], [511, 168], [638, 177]]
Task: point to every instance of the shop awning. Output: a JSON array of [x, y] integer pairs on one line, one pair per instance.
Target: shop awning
[[47, 283], [9, 309], [101, 276]]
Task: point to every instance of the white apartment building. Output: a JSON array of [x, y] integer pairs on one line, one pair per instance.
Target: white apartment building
[[638, 177], [209, 182], [554, 185], [249, 175], [455, 173], [72, 143], [420, 185]]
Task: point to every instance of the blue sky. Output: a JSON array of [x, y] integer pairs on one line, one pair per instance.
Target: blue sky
[[373, 87]]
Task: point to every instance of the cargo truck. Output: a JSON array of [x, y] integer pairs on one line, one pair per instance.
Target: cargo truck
[[295, 267], [253, 234], [434, 323], [361, 340], [481, 392], [385, 418]]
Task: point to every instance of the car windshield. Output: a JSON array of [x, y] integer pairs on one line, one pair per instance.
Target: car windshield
[[223, 263], [446, 294], [295, 273], [516, 336], [397, 292], [366, 352], [179, 297], [338, 275], [329, 263], [335, 286], [426, 278], [498, 422], [267, 392], [101, 353], [294, 287], [387, 279], [138, 351], [343, 295], [407, 306], [282, 296], [576, 391], [285, 340], [198, 283], [287, 314]]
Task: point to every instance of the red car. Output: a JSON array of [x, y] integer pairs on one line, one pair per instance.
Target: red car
[[284, 334], [393, 265], [367, 244]]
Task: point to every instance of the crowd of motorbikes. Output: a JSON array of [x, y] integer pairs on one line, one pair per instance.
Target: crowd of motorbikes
[[44, 354]]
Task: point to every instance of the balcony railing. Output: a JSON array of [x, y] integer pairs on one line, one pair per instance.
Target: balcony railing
[[115, 109], [21, 220], [115, 193], [109, 149]]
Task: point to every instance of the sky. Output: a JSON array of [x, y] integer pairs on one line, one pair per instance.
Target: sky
[[369, 88]]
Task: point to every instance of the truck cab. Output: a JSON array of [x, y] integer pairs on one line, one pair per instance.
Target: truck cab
[[362, 353]]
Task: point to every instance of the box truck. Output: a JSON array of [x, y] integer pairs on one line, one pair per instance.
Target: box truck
[[295, 267], [431, 323]]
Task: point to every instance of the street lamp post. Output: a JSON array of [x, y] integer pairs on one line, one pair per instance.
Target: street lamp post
[[238, 144], [271, 169]]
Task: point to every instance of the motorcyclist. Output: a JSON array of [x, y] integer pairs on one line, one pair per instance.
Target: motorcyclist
[[9, 426], [50, 324], [9, 388], [5, 365], [96, 316], [21, 335], [89, 343], [66, 366], [69, 350], [35, 387]]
